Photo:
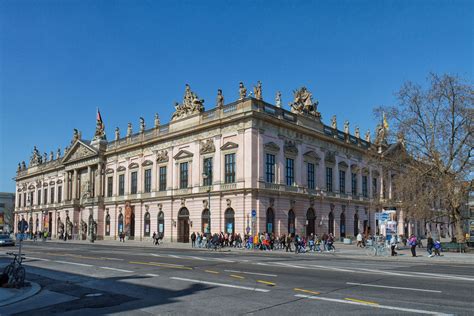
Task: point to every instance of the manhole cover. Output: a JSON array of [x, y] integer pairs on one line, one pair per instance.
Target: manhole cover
[[93, 294]]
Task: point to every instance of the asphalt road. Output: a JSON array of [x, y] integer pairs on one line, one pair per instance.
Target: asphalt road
[[79, 279]]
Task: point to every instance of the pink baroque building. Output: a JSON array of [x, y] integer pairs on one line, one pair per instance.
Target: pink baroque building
[[244, 167]]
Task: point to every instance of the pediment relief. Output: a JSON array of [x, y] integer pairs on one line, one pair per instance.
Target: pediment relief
[[109, 170], [162, 156], [312, 155], [79, 151], [271, 146], [229, 145], [343, 165], [330, 157], [31, 187], [355, 167], [121, 168], [207, 147], [51, 183], [133, 165], [183, 154], [59, 181], [290, 147], [147, 163]]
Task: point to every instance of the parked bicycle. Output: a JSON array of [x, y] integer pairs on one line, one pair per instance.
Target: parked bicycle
[[15, 270], [377, 250]]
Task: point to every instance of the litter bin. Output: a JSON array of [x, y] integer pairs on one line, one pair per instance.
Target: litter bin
[[347, 241]]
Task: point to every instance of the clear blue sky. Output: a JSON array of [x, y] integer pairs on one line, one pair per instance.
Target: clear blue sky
[[59, 60]]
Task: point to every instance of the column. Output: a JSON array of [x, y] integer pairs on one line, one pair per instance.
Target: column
[[90, 182], [100, 189], [74, 185]]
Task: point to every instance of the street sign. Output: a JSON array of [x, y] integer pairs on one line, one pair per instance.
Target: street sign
[[254, 213]]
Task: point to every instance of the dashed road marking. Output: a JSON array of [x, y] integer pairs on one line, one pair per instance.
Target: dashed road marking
[[306, 291], [237, 276], [211, 271], [115, 269], [40, 259], [152, 275], [252, 273], [360, 301], [74, 263], [393, 287], [335, 300], [221, 284], [162, 265], [266, 282]]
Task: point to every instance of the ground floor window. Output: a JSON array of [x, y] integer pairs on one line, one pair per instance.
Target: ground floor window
[[107, 225], [147, 224], [161, 223], [291, 223], [229, 221], [270, 220]]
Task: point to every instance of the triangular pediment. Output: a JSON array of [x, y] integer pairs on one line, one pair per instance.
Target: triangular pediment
[[312, 155], [183, 154], [78, 151], [271, 146], [229, 145]]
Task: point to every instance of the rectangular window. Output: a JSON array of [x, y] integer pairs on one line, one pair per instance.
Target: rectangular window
[[290, 171], [229, 168], [162, 179], [207, 170], [342, 182], [183, 175], [51, 200], [121, 184], [364, 186], [148, 181], [39, 198], [45, 196], [60, 194], [329, 179], [270, 168], [374, 188], [311, 182], [354, 183], [110, 186], [133, 183]]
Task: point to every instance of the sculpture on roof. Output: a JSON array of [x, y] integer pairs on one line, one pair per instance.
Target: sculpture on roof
[[357, 132], [58, 153], [157, 120], [51, 156], [142, 124], [303, 103], [278, 99], [242, 91], [334, 122], [129, 130], [23, 165], [35, 158], [45, 157], [75, 135], [191, 105], [99, 128], [346, 127], [219, 99], [117, 133], [257, 90], [367, 136]]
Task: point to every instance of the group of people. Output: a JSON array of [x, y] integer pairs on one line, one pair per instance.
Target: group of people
[[157, 238], [433, 247], [215, 241]]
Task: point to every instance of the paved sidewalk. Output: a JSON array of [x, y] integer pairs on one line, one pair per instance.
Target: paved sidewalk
[[11, 295], [343, 251]]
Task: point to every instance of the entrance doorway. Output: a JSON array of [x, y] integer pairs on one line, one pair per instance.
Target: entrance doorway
[[342, 226], [310, 218], [229, 221], [183, 225]]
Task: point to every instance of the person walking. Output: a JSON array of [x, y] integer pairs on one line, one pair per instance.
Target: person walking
[[288, 243], [359, 240], [393, 245], [193, 240], [429, 246], [412, 242], [437, 248]]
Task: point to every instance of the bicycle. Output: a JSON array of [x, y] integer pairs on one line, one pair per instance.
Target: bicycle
[[377, 250], [15, 271]]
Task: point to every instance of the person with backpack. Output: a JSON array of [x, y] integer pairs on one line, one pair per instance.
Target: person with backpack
[[413, 242], [429, 246], [193, 240]]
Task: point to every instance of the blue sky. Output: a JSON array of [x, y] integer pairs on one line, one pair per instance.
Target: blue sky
[[60, 60]]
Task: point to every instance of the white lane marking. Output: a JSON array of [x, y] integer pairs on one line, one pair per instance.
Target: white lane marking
[[410, 310], [253, 273], [223, 260], [34, 258], [116, 259], [197, 258], [393, 287], [221, 284], [152, 275], [174, 256], [153, 254], [450, 276], [119, 270], [74, 263]]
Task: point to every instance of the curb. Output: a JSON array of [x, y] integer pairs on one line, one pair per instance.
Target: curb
[[33, 290]]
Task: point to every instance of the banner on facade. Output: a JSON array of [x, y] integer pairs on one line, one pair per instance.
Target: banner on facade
[[128, 218]]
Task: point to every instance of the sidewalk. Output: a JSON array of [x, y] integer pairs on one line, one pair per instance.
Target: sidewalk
[[343, 251], [11, 295]]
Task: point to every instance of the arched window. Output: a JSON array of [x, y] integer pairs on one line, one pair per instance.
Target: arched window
[[229, 221], [107, 225], [120, 223], [270, 220], [161, 223], [331, 223], [342, 225], [206, 221], [146, 221], [356, 224], [291, 222], [310, 219]]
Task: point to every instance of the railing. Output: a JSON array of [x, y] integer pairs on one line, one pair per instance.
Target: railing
[[228, 186], [291, 188], [205, 188], [272, 186]]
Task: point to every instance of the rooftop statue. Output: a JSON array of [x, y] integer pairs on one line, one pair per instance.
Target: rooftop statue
[[117, 133], [99, 128], [219, 99], [129, 130], [191, 105], [142, 124], [334, 122], [278, 99], [157, 120], [75, 135], [23, 165], [51, 156], [357, 132], [242, 91], [58, 153], [45, 157], [346, 127], [257, 91], [35, 158], [367, 136], [382, 130], [303, 103]]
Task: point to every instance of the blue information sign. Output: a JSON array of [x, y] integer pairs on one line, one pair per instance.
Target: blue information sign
[[254, 213]]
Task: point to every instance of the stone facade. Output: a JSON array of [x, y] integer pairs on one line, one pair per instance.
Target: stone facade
[[262, 157]]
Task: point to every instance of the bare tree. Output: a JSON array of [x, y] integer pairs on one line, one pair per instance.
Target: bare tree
[[432, 148]]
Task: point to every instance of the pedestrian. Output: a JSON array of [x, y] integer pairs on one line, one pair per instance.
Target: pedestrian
[[437, 248], [393, 245], [429, 246], [359, 240], [288, 243], [324, 239], [412, 242], [193, 240]]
